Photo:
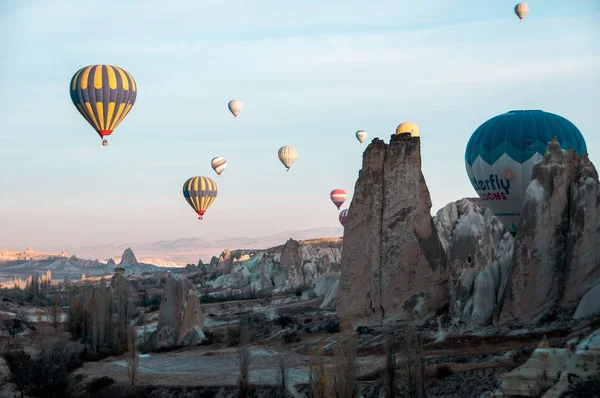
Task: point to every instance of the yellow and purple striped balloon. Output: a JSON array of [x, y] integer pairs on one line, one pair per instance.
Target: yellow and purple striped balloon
[[200, 193], [104, 95]]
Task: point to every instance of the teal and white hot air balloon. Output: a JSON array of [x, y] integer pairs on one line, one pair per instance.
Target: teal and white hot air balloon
[[501, 154]]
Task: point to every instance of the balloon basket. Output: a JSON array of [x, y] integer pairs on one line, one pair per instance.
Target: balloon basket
[[200, 218]]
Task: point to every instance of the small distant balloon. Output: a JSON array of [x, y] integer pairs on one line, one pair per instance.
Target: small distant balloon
[[343, 216], [338, 197], [218, 164], [408, 127], [521, 10], [200, 192], [361, 135], [287, 155], [235, 107]]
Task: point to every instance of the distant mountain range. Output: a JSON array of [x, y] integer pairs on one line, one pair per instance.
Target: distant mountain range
[[189, 250]]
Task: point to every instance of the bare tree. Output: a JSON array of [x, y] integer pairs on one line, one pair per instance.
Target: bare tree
[[415, 367], [390, 369], [282, 393], [243, 385], [344, 371], [132, 358], [54, 312]]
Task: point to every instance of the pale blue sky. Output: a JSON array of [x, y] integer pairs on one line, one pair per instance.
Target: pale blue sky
[[310, 74]]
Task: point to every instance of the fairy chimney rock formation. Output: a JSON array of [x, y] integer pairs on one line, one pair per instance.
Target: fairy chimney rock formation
[[128, 258], [180, 319], [393, 263], [557, 255]]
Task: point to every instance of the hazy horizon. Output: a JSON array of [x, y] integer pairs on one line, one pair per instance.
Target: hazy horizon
[[310, 74]]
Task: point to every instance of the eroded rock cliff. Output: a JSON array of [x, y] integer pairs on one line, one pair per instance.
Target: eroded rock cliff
[[393, 263], [557, 249]]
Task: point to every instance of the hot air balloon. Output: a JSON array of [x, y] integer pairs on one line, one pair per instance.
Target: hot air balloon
[[218, 164], [521, 10], [501, 153], [338, 197], [200, 193], [235, 107], [408, 127], [361, 135], [104, 95], [287, 155], [343, 216]]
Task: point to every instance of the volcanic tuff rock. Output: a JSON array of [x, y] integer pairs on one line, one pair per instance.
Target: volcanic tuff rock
[[480, 253], [549, 371], [557, 249], [128, 258], [284, 268], [180, 319], [393, 263]]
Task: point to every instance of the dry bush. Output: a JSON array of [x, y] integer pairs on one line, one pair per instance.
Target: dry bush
[[414, 368], [344, 370], [319, 382]]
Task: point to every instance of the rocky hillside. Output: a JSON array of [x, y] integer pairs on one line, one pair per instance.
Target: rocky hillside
[[30, 262], [399, 263], [313, 264]]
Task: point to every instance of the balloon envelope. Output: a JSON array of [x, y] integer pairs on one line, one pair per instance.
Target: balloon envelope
[[200, 193], [361, 135], [408, 127], [235, 107], [218, 164], [501, 153], [521, 10], [343, 216], [103, 95], [287, 155], [338, 197]]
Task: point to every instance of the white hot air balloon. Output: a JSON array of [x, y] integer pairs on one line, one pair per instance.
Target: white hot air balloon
[[361, 135], [235, 107], [287, 155]]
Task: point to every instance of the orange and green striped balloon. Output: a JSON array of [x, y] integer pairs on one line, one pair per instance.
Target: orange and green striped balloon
[[104, 95], [200, 193]]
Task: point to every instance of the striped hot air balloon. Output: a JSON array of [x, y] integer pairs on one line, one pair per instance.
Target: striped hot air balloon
[[200, 193], [338, 197], [361, 135], [287, 155], [521, 10], [343, 216], [235, 107], [104, 95], [218, 164]]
